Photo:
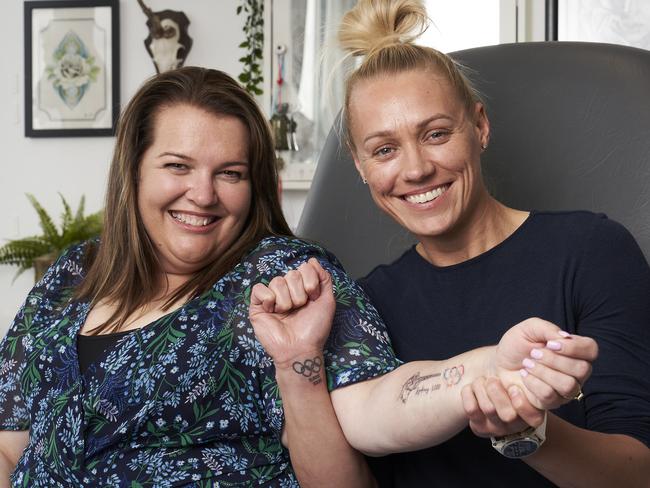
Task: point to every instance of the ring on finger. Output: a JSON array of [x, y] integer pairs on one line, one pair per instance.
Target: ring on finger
[[579, 396]]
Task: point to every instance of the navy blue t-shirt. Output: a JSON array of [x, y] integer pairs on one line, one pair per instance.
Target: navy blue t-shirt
[[579, 270]]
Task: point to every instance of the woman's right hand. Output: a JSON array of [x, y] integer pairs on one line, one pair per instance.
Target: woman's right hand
[[550, 363], [493, 411], [292, 316]]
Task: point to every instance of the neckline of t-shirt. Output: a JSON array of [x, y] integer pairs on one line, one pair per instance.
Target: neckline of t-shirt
[[118, 334], [514, 236], [151, 325]]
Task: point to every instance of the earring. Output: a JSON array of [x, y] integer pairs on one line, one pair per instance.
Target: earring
[[365, 182], [484, 146]]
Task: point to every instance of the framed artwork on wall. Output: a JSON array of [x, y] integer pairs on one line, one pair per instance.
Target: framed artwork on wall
[[72, 82]]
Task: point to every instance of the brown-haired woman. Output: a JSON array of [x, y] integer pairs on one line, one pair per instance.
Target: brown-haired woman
[[416, 129], [132, 362]]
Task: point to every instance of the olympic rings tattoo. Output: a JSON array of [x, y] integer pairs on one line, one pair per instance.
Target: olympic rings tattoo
[[310, 369], [452, 376]]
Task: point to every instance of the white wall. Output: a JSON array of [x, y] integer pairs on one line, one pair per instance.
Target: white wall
[[76, 166]]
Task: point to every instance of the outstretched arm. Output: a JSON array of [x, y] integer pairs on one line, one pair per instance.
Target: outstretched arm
[[418, 404], [415, 406], [320, 453]]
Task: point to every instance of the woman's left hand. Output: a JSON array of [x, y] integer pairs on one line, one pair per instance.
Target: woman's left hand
[[292, 316], [551, 363]]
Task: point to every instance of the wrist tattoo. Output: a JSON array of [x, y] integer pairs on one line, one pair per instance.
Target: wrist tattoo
[[310, 369], [416, 384]]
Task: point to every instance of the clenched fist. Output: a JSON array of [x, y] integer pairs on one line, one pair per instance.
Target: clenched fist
[[292, 316]]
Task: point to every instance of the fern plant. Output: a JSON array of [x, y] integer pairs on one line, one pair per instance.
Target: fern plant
[[75, 227]]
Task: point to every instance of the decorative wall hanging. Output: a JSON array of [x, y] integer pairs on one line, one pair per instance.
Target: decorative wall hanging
[[282, 123], [168, 43], [71, 68]]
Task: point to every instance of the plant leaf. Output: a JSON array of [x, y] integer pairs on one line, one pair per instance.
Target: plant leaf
[[75, 228], [21, 252], [66, 217], [50, 232], [81, 208], [253, 43]]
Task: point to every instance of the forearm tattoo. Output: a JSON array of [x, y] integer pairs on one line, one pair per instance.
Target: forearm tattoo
[[310, 369], [424, 385]]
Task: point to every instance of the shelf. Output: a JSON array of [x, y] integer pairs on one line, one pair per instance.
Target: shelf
[[297, 176], [296, 185]]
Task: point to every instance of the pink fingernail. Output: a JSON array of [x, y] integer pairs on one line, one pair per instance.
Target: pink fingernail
[[536, 354], [513, 391], [554, 345], [564, 334], [523, 373], [528, 363]]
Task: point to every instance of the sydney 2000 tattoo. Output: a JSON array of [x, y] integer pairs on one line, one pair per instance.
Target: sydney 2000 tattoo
[[310, 369], [420, 385]]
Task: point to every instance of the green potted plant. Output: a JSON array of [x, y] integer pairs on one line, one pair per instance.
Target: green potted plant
[[39, 252], [251, 76]]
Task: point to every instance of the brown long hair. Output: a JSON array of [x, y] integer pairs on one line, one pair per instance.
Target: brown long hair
[[124, 265], [383, 33]]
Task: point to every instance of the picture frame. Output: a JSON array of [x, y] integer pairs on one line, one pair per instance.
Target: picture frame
[[624, 23], [72, 72]]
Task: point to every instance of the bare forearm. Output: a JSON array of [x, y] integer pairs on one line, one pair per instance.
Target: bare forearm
[[575, 458], [415, 406], [320, 454], [6, 468]]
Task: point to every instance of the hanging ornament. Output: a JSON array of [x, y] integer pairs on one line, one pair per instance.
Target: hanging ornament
[[282, 124]]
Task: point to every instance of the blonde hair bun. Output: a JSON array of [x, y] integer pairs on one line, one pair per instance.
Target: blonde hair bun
[[374, 24]]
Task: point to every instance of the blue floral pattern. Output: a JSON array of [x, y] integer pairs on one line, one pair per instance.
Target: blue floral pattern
[[189, 400]]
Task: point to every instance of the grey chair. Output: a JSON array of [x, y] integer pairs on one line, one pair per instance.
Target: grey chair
[[570, 131]]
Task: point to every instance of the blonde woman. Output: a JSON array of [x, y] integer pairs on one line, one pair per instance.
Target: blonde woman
[[416, 130]]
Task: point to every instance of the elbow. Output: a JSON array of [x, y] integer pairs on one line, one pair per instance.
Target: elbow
[[374, 453], [369, 440], [363, 421]]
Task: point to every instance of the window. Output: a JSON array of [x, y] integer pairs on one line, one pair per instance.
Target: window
[[463, 24]]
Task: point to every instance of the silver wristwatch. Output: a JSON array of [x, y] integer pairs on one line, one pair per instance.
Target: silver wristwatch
[[522, 443]]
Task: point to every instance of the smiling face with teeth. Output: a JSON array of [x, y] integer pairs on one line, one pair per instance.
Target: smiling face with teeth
[[419, 150], [194, 191]]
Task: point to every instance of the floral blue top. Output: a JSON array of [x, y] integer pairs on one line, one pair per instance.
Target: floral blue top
[[189, 400]]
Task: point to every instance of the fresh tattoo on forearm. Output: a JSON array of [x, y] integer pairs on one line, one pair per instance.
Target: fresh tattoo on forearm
[[453, 375], [414, 385], [310, 369]]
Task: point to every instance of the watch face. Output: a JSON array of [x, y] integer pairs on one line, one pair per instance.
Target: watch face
[[520, 448]]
